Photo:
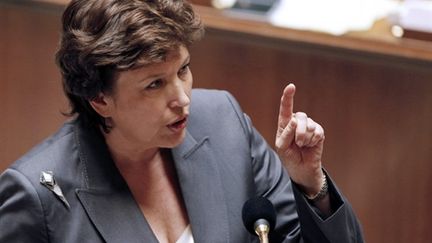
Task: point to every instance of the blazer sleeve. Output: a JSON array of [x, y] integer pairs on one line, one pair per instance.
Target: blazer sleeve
[[297, 219], [21, 212]]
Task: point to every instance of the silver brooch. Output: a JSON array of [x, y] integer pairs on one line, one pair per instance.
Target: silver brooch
[[47, 179]]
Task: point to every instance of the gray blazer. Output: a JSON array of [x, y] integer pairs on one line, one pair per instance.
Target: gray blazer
[[222, 162]]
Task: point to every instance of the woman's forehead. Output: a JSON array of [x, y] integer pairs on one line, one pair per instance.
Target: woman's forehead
[[175, 58]]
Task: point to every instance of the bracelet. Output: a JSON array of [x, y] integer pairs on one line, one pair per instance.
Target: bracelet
[[322, 193]]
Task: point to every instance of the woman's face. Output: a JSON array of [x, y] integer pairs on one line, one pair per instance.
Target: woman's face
[[150, 105]]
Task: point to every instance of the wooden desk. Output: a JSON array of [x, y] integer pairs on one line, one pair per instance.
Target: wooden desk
[[377, 41], [371, 92]]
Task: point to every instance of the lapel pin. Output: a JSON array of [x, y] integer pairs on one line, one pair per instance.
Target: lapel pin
[[47, 179]]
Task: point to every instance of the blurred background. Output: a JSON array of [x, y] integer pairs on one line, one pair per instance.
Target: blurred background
[[363, 69]]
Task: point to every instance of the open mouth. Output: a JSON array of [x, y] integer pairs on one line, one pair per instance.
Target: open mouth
[[178, 125]]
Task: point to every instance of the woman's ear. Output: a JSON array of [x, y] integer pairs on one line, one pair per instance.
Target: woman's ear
[[102, 105]]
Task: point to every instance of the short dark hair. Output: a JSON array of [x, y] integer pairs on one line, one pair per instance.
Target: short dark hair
[[102, 37]]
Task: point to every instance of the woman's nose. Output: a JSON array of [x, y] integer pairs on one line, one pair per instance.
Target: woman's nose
[[180, 96]]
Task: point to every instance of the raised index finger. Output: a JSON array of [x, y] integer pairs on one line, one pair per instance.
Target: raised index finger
[[286, 106]]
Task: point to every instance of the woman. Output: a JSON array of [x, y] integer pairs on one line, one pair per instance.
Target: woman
[[148, 159]]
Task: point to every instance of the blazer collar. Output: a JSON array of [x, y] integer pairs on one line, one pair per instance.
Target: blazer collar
[[113, 210]]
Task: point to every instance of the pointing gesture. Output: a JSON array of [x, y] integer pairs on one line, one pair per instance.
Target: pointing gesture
[[299, 143]]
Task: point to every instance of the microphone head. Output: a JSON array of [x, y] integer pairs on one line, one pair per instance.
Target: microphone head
[[258, 208]]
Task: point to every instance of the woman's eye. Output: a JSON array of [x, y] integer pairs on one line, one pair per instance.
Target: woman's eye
[[184, 69], [155, 84]]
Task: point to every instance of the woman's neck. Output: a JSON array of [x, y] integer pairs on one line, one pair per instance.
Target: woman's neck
[[129, 154]]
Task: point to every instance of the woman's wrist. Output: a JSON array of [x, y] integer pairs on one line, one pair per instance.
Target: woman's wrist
[[321, 193]]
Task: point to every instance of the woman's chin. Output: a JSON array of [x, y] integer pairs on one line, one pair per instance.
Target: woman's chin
[[174, 140]]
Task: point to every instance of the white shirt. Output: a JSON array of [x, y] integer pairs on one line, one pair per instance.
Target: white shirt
[[186, 236]]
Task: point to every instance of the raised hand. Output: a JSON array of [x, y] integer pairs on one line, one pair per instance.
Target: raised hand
[[299, 143]]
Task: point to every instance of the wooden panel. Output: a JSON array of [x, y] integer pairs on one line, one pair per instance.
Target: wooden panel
[[31, 94]]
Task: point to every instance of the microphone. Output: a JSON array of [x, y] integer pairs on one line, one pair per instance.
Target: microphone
[[259, 217]]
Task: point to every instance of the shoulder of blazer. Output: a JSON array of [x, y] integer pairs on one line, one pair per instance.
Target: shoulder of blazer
[[45, 151], [211, 105], [58, 154]]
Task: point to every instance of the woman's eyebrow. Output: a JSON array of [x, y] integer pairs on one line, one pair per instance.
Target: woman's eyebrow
[[187, 60], [141, 79], [156, 75]]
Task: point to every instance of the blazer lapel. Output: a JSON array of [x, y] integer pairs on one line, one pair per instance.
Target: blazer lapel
[[106, 196], [116, 216], [201, 186]]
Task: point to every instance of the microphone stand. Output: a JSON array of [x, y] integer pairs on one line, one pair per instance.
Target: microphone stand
[[259, 217], [262, 229]]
